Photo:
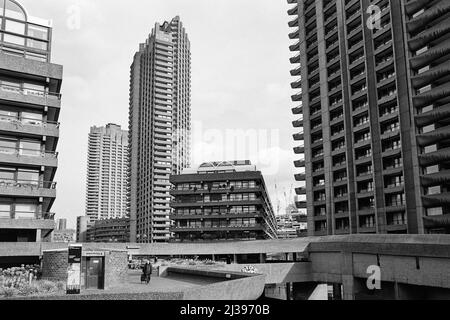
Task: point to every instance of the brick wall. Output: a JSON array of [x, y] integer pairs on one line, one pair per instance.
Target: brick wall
[[54, 265], [116, 268]]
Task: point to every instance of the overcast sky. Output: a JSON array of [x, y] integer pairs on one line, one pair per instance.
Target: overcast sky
[[240, 79]]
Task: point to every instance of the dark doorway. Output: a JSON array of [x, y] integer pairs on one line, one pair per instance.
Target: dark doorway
[[94, 273]]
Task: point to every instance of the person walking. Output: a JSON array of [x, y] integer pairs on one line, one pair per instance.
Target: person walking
[[147, 271]]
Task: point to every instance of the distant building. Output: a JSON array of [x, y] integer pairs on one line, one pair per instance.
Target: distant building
[[107, 165], [30, 104], [83, 224], [221, 201], [64, 235], [293, 224], [61, 224], [109, 230]]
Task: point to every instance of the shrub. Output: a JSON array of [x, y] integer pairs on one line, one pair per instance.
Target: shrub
[[29, 289], [47, 286], [9, 292], [61, 286]]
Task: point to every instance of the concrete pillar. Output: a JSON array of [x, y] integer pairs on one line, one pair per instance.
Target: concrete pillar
[[213, 257], [396, 291], [348, 281], [235, 258], [262, 259], [337, 291], [38, 235], [288, 291], [348, 285]]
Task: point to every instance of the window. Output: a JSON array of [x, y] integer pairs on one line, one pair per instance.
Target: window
[[32, 118], [8, 115], [5, 211], [14, 39], [30, 148], [38, 32], [28, 176], [13, 10], [15, 27], [35, 44], [6, 174], [7, 146], [26, 211], [36, 56]]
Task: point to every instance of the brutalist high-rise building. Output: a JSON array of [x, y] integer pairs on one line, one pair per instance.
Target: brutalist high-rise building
[[30, 103], [373, 94], [107, 169], [159, 122]]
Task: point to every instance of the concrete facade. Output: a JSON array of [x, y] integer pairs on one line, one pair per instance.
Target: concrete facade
[[372, 108], [411, 267], [55, 265], [107, 168], [30, 103], [160, 123], [221, 201]]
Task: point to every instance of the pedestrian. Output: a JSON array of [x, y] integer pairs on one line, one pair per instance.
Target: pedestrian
[[148, 271]]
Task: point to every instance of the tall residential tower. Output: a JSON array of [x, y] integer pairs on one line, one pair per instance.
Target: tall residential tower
[[373, 108], [107, 168], [160, 123], [30, 103]]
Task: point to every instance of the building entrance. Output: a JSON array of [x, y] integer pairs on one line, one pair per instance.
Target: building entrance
[[94, 273]]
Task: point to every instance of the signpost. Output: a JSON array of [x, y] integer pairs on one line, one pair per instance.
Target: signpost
[[74, 269]]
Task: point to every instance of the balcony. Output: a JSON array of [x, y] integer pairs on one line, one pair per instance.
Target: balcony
[[299, 163], [296, 72], [293, 10], [299, 136], [295, 34], [20, 95], [434, 136], [299, 150], [301, 204], [297, 110], [433, 53], [431, 75], [29, 126], [433, 116], [298, 123], [437, 221], [300, 177], [300, 191], [435, 179], [28, 157], [423, 99], [27, 220], [436, 200], [429, 35], [434, 158], [24, 188]]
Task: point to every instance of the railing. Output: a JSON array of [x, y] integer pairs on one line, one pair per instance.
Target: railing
[[28, 152], [19, 215], [29, 92], [10, 183], [28, 121]]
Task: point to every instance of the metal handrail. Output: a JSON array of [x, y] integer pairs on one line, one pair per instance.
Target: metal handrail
[[18, 151], [22, 120], [29, 91], [17, 183], [37, 215]]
